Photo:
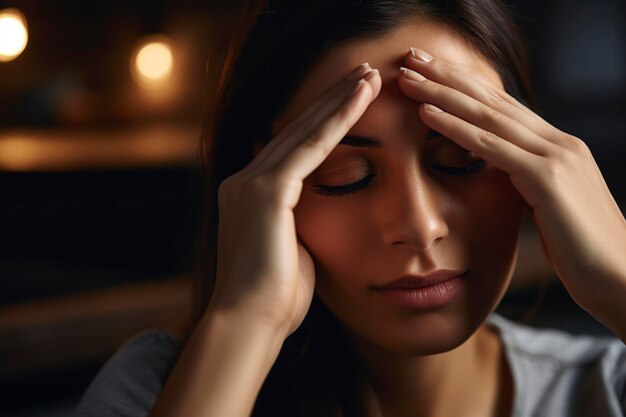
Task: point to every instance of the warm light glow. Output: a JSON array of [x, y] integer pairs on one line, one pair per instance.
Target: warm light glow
[[31, 150], [13, 34], [153, 61]]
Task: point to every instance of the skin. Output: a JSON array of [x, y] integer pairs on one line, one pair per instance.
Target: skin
[[411, 219], [275, 246], [265, 278]]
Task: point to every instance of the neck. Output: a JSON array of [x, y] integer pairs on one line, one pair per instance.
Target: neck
[[472, 375]]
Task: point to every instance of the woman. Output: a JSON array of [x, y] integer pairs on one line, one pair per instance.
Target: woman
[[360, 253]]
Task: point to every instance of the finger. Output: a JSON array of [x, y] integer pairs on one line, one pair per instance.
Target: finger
[[337, 90], [313, 149], [471, 110], [446, 74], [311, 123], [501, 153], [310, 126], [356, 74]]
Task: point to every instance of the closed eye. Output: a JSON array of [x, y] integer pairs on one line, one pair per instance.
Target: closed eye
[[341, 190], [453, 159], [465, 170]]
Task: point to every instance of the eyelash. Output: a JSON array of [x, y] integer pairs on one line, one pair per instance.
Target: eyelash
[[342, 190], [470, 169]]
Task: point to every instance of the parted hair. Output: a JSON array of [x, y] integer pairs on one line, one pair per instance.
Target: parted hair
[[272, 49]]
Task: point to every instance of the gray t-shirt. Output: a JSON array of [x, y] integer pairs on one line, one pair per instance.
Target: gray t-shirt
[[555, 374]]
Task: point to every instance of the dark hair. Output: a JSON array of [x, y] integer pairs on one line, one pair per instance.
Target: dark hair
[[276, 44]]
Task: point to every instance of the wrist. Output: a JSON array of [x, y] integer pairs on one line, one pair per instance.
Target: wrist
[[248, 320], [222, 367], [244, 328], [604, 302]]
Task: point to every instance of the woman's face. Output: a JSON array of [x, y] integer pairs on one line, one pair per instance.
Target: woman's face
[[415, 215]]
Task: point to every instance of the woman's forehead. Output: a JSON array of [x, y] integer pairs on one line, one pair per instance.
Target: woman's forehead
[[386, 53]]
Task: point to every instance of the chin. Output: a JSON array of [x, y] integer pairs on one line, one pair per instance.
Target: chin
[[440, 341], [442, 335]]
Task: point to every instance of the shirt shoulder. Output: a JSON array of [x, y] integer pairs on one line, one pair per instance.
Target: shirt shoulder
[[131, 380], [554, 344], [557, 373]]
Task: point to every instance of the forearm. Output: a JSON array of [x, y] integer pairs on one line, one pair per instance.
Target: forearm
[[606, 303], [221, 369], [593, 265]]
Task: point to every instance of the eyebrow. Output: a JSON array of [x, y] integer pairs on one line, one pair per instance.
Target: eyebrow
[[365, 142]]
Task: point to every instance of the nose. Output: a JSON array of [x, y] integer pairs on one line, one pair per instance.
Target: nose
[[413, 213]]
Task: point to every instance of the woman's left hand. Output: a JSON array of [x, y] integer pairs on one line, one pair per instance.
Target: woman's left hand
[[582, 228]]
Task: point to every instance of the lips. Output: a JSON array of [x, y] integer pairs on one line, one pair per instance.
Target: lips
[[420, 281], [423, 292]]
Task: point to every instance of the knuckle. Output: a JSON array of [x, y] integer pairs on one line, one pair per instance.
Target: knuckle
[[444, 67], [577, 145], [552, 170], [280, 192], [347, 116], [579, 153], [313, 141], [270, 190], [287, 193], [344, 117], [435, 88], [575, 151], [259, 186], [486, 138], [488, 114], [493, 97]]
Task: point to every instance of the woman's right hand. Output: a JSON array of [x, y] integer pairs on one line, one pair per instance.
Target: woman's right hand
[[263, 273]]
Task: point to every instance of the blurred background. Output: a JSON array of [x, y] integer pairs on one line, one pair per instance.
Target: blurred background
[[100, 113]]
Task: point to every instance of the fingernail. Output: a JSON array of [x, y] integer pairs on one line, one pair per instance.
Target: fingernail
[[412, 75], [359, 71], [421, 55], [432, 108]]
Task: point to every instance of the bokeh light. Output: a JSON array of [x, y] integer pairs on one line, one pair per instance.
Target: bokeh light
[[153, 61], [13, 34]]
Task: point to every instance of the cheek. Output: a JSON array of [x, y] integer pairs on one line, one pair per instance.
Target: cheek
[[496, 215], [494, 210], [483, 215], [331, 231], [485, 209]]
